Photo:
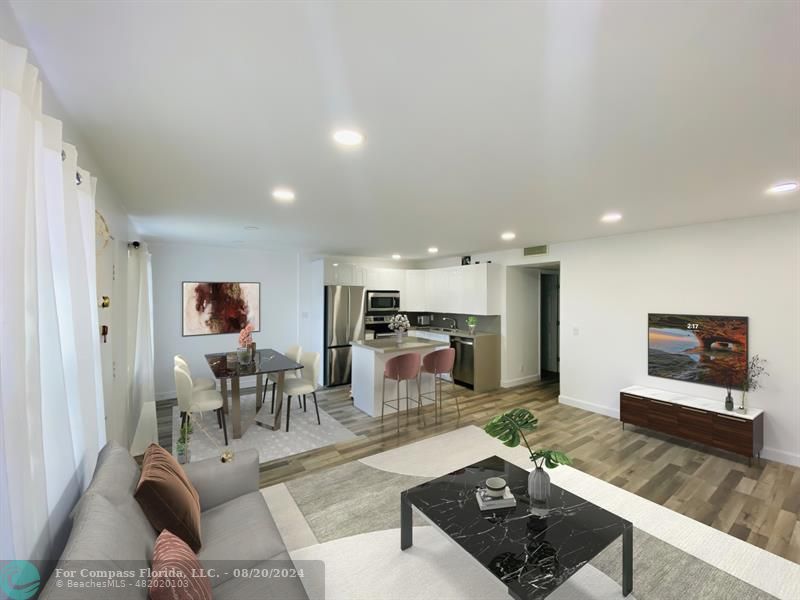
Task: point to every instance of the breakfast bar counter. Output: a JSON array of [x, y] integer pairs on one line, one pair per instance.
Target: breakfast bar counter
[[369, 360]]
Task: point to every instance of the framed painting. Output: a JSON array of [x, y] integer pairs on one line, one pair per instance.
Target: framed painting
[[214, 307]]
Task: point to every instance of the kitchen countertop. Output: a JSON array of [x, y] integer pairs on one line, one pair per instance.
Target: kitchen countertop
[[456, 332], [386, 345]]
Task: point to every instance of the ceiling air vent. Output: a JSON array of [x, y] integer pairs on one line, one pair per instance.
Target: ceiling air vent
[[535, 250]]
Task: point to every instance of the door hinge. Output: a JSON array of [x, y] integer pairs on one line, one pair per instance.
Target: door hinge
[[113, 272]]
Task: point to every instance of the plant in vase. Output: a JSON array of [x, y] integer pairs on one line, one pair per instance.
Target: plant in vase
[[399, 323], [510, 428], [182, 445], [755, 369], [246, 344], [472, 322]]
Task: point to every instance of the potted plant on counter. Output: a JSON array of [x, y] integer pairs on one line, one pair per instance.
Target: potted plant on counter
[[509, 428], [399, 323], [472, 322]]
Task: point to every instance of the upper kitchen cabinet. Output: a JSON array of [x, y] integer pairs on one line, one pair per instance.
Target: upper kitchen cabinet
[[468, 289], [385, 279], [341, 273], [414, 298]]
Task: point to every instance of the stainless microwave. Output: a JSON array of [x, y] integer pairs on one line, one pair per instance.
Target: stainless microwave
[[382, 301]]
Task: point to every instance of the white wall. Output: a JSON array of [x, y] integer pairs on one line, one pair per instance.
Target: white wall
[[521, 346], [278, 273], [745, 267]]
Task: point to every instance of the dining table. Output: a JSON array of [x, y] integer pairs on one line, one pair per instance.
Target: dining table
[[226, 367]]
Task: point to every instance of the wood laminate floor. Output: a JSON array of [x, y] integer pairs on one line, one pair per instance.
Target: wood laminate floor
[[759, 503]]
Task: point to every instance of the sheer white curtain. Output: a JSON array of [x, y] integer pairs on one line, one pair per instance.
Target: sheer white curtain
[[142, 413], [51, 406]]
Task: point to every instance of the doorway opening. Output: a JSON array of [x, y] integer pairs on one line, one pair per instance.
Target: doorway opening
[[550, 323]]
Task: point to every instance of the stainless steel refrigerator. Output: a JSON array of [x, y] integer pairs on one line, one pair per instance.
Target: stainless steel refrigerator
[[344, 323]]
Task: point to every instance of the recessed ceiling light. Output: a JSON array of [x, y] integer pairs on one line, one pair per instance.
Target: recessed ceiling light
[[283, 194], [613, 217], [251, 227], [348, 137], [396, 256], [508, 235], [433, 250], [783, 187], [335, 264]]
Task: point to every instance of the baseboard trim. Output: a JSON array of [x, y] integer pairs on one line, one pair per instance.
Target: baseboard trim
[[781, 456], [507, 383], [590, 406]]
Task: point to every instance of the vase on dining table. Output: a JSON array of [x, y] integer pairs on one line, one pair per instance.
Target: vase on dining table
[[399, 336]]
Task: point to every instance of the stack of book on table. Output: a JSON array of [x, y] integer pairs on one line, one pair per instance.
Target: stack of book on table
[[487, 502]]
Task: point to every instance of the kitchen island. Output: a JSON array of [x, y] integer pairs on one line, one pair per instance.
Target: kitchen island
[[369, 360]]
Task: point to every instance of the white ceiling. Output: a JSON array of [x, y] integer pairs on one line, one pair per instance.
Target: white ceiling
[[479, 117]]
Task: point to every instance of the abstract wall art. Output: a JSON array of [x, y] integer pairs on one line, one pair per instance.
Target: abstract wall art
[[213, 307]]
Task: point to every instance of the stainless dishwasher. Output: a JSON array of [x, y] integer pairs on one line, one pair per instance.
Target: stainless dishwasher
[[464, 367]]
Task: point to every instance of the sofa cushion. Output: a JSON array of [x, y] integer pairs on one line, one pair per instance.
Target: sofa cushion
[[176, 573], [240, 532], [101, 535], [116, 476], [285, 588], [168, 498]]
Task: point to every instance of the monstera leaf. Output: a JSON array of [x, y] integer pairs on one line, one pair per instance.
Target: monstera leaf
[[551, 458], [507, 427]]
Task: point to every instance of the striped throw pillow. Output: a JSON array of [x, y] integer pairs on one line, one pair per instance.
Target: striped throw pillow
[[176, 574]]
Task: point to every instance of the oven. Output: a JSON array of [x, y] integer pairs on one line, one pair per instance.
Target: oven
[[382, 301], [377, 326]]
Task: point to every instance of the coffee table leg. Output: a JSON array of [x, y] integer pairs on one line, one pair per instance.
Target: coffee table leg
[[406, 531], [627, 560]]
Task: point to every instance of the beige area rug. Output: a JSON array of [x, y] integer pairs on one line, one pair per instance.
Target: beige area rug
[[304, 433]]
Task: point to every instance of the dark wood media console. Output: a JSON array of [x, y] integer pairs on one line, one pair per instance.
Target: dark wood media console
[[694, 419]]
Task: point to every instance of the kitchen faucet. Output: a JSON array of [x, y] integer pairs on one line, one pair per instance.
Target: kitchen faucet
[[455, 323]]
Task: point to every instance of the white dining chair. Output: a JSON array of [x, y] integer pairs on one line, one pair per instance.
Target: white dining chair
[[304, 384], [198, 383], [194, 401], [293, 352]]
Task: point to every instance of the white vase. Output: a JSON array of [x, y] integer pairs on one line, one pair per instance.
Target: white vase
[[399, 335], [539, 485]]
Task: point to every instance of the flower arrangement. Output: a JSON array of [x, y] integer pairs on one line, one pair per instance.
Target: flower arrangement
[[246, 336], [399, 323]]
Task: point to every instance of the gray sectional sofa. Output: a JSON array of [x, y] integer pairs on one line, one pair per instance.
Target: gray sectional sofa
[[237, 530]]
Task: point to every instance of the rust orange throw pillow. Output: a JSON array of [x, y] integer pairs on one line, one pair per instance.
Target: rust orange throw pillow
[[176, 573], [167, 496]]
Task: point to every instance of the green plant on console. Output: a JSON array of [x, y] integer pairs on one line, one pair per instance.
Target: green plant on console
[[510, 428]]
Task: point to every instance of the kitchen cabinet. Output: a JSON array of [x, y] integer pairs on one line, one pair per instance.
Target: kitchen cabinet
[[468, 289]]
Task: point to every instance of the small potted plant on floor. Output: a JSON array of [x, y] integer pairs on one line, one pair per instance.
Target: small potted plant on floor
[[182, 445], [510, 428]]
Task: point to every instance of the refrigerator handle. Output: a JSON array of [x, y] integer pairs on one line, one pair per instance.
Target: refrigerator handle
[[349, 301]]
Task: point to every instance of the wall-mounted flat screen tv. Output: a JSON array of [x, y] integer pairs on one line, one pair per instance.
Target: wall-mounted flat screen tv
[[697, 348]]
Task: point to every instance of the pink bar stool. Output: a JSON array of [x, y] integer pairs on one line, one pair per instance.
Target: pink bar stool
[[402, 368], [438, 363]]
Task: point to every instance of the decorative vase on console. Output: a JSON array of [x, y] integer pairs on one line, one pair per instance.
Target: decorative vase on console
[[399, 323], [510, 428], [729, 397], [755, 369]]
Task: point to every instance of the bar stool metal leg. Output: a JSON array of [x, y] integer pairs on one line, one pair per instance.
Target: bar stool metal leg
[[398, 406], [383, 397]]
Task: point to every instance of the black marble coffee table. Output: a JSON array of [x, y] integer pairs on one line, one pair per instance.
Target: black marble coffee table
[[531, 549]]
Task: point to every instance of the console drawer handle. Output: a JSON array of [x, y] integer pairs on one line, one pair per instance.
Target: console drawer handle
[[733, 418], [661, 403], [697, 410]]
